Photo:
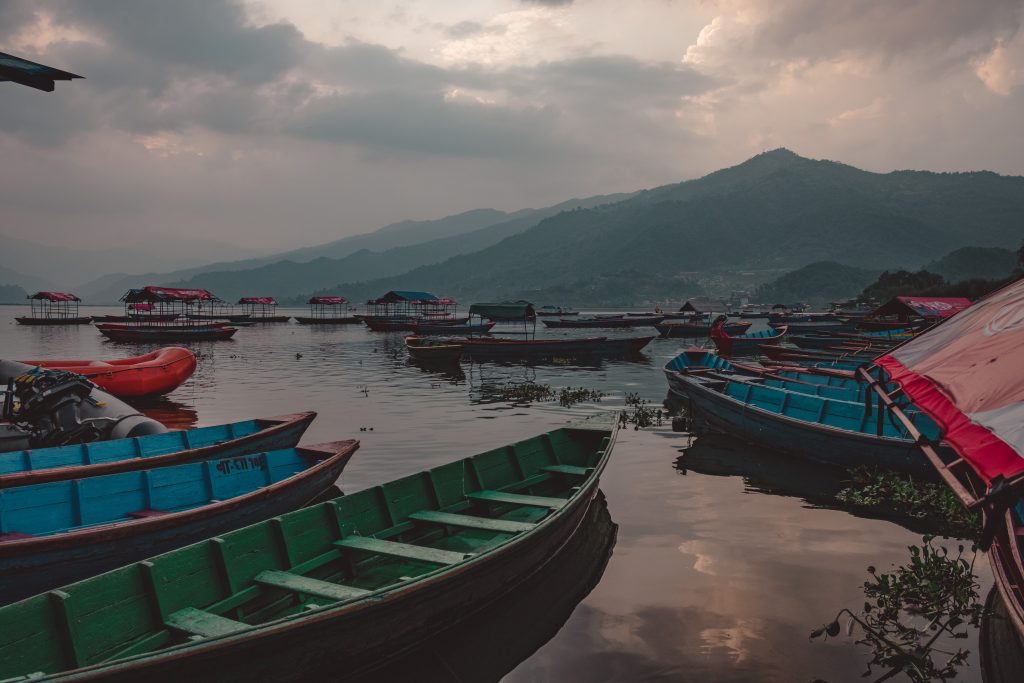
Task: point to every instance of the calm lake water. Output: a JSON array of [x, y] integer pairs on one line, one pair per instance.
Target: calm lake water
[[724, 557]]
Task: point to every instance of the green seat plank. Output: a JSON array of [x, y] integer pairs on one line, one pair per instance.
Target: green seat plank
[[308, 586], [470, 522], [200, 623], [402, 550], [569, 469], [517, 499]]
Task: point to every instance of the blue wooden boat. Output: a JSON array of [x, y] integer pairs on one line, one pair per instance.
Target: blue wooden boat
[[833, 431], [744, 344], [63, 531], [41, 465]]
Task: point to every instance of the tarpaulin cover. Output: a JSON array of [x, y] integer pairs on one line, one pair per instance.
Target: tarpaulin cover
[[152, 293], [967, 374], [330, 300], [264, 300], [141, 307], [504, 310], [926, 307], [54, 296]]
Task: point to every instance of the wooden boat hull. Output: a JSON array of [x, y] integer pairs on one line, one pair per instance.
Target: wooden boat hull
[[714, 412], [60, 463], [25, 320], [142, 319], [559, 314], [355, 634], [1005, 556], [407, 324], [452, 329], [339, 320], [152, 374], [429, 351], [270, 319], [553, 348], [831, 326], [604, 322], [697, 330], [36, 564], [135, 333], [810, 341], [745, 344]]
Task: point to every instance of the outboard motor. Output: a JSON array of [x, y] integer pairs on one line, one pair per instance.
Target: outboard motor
[[56, 408]]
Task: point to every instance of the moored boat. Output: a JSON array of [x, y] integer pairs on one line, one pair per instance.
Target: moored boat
[[163, 333], [555, 312], [748, 343], [433, 350], [452, 328], [159, 372], [608, 322], [346, 583], [53, 308], [512, 349], [67, 530], [328, 310], [695, 330], [42, 465], [262, 309]]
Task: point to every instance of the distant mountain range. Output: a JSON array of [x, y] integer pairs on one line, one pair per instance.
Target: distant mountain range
[[774, 212]]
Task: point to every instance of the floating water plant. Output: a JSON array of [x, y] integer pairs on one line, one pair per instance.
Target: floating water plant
[[922, 500], [642, 414], [911, 612]]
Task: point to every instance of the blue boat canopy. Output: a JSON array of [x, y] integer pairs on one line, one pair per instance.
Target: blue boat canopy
[[38, 76]]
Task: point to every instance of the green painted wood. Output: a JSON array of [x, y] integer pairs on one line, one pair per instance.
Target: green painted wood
[[517, 499], [308, 586], [405, 551], [200, 623], [568, 469], [471, 522]]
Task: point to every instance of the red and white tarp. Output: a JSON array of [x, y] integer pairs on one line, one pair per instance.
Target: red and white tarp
[[932, 307], [179, 294], [329, 300], [968, 375], [55, 296], [264, 300]]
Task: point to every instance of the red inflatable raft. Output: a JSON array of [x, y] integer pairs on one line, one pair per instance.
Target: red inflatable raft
[[154, 373]]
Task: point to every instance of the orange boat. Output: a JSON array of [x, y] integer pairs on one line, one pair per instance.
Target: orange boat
[[154, 373]]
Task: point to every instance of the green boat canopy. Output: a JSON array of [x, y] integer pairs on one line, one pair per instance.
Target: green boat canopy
[[504, 310]]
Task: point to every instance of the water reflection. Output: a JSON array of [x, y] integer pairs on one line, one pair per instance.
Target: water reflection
[[494, 641], [173, 414]]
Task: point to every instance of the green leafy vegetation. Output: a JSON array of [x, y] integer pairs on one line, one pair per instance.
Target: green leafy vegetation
[[934, 502], [912, 612], [639, 413], [531, 392]]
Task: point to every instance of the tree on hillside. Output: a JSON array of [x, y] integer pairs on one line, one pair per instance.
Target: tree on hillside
[[900, 283]]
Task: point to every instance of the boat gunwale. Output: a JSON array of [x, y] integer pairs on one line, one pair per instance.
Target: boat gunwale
[[579, 501], [278, 424], [343, 451]]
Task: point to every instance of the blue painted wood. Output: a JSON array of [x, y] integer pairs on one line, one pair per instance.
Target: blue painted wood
[[822, 429], [81, 527]]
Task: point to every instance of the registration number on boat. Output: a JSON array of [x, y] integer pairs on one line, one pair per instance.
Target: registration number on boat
[[242, 463]]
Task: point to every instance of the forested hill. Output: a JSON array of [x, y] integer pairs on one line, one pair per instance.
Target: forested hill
[[776, 210]]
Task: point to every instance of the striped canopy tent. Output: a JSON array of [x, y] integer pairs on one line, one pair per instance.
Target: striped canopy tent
[[54, 305], [32, 74], [967, 374]]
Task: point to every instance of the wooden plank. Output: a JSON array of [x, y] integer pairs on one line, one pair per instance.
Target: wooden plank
[[569, 469], [517, 499], [303, 584], [205, 624], [470, 522], [403, 550]]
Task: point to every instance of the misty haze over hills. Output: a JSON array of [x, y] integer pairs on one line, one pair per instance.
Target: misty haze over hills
[[775, 212]]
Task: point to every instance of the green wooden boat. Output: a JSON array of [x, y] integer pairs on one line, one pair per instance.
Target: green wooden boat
[[335, 589]]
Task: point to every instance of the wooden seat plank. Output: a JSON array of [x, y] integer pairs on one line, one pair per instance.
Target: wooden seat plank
[[205, 624], [402, 550], [470, 522], [308, 586], [517, 499], [569, 469]]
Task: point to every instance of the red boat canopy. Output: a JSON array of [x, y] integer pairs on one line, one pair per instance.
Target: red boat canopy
[[141, 307], [330, 300], [152, 293], [967, 374], [926, 307], [54, 296], [265, 300]]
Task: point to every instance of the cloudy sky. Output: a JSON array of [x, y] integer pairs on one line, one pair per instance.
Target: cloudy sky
[[283, 123]]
